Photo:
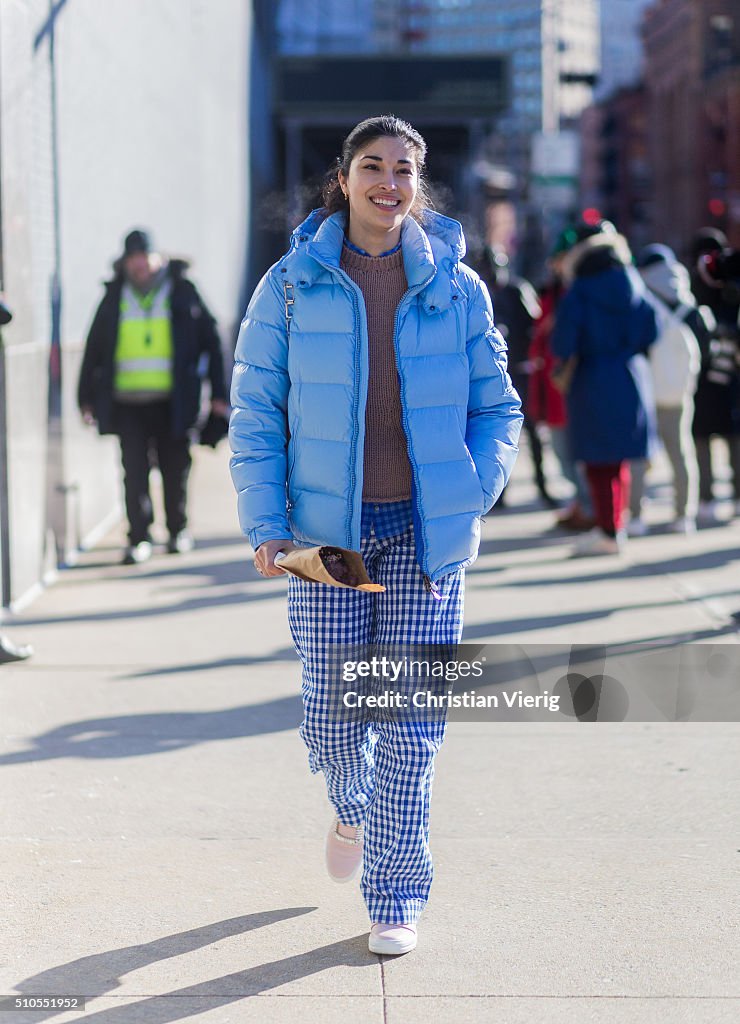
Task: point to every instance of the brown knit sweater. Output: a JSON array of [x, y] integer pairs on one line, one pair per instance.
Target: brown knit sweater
[[387, 470]]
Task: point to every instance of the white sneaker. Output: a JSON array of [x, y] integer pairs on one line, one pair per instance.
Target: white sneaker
[[684, 524], [637, 527], [343, 853], [135, 554], [392, 938], [707, 513], [596, 542]]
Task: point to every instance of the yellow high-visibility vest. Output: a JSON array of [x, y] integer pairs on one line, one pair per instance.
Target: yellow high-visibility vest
[[144, 350]]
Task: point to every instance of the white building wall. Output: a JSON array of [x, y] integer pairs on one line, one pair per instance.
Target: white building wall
[[152, 127]]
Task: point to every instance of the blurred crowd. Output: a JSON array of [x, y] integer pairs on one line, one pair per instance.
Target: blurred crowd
[[620, 354]]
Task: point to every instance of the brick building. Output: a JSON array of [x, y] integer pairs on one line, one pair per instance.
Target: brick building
[[615, 162], [722, 110], [692, 71]]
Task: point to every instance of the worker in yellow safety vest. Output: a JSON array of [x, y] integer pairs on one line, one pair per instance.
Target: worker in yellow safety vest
[[141, 378]]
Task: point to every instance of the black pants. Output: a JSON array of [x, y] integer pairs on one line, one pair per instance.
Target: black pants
[[706, 472], [146, 439]]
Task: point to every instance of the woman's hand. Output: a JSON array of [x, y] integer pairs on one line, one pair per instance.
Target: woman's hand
[[264, 558]]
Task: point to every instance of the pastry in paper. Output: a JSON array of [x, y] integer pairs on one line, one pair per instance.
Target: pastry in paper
[[338, 567]]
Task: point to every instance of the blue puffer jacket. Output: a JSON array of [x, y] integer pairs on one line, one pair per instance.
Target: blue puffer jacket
[[300, 387]]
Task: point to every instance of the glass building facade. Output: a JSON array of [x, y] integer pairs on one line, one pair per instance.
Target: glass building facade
[[551, 49], [621, 44], [552, 45]]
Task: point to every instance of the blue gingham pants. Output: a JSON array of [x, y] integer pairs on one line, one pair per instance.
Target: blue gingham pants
[[378, 773]]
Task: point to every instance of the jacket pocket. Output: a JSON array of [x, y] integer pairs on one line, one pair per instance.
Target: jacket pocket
[[474, 471], [291, 467]]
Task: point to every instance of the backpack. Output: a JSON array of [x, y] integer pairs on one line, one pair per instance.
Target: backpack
[[674, 357]]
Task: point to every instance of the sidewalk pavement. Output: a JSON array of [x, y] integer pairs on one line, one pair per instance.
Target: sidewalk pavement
[[162, 837]]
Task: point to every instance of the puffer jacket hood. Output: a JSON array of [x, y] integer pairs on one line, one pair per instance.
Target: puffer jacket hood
[[431, 252], [299, 395], [671, 282], [596, 254], [602, 266]]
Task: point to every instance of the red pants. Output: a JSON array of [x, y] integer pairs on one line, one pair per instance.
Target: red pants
[[610, 493]]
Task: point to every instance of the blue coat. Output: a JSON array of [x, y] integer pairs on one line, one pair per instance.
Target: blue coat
[[608, 323], [300, 387]]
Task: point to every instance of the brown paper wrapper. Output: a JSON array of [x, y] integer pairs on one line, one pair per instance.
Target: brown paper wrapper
[[315, 565]]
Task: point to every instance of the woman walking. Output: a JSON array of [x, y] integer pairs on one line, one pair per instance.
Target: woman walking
[[675, 359], [373, 411], [604, 328]]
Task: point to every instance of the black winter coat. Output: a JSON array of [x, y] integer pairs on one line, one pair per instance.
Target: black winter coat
[[516, 308], [194, 336], [717, 398]]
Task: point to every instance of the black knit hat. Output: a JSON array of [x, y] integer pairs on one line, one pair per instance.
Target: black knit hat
[[137, 241], [600, 227]]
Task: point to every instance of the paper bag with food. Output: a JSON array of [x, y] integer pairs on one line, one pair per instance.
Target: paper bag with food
[[338, 567]]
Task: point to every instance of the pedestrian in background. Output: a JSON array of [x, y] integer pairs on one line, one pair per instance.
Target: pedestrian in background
[[675, 359], [372, 410], [141, 379], [516, 308], [717, 400], [604, 328], [546, 403]]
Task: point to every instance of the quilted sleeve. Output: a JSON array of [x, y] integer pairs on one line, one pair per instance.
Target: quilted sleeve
[[494, 408], [258, 431]]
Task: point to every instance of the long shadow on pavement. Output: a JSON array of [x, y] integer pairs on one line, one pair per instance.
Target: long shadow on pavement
[[149, 610], [504, 627], [702, 560], [222, 574], [160, 732], [100, 973], [283, 654], [505, 545], [141, 735], [547, 655]]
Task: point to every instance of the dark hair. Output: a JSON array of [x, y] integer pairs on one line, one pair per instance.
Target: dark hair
[[706, 241], [384, 126]]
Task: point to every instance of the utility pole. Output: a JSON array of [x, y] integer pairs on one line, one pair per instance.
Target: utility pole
[[55, 490], [550, 67], [4, 496]]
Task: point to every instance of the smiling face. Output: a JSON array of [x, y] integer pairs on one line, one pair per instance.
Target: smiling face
[[381, 187]]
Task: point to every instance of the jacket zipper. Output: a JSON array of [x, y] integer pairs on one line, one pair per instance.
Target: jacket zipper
[[354, 290], [356, 417], [355, 303], [430, 587]]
